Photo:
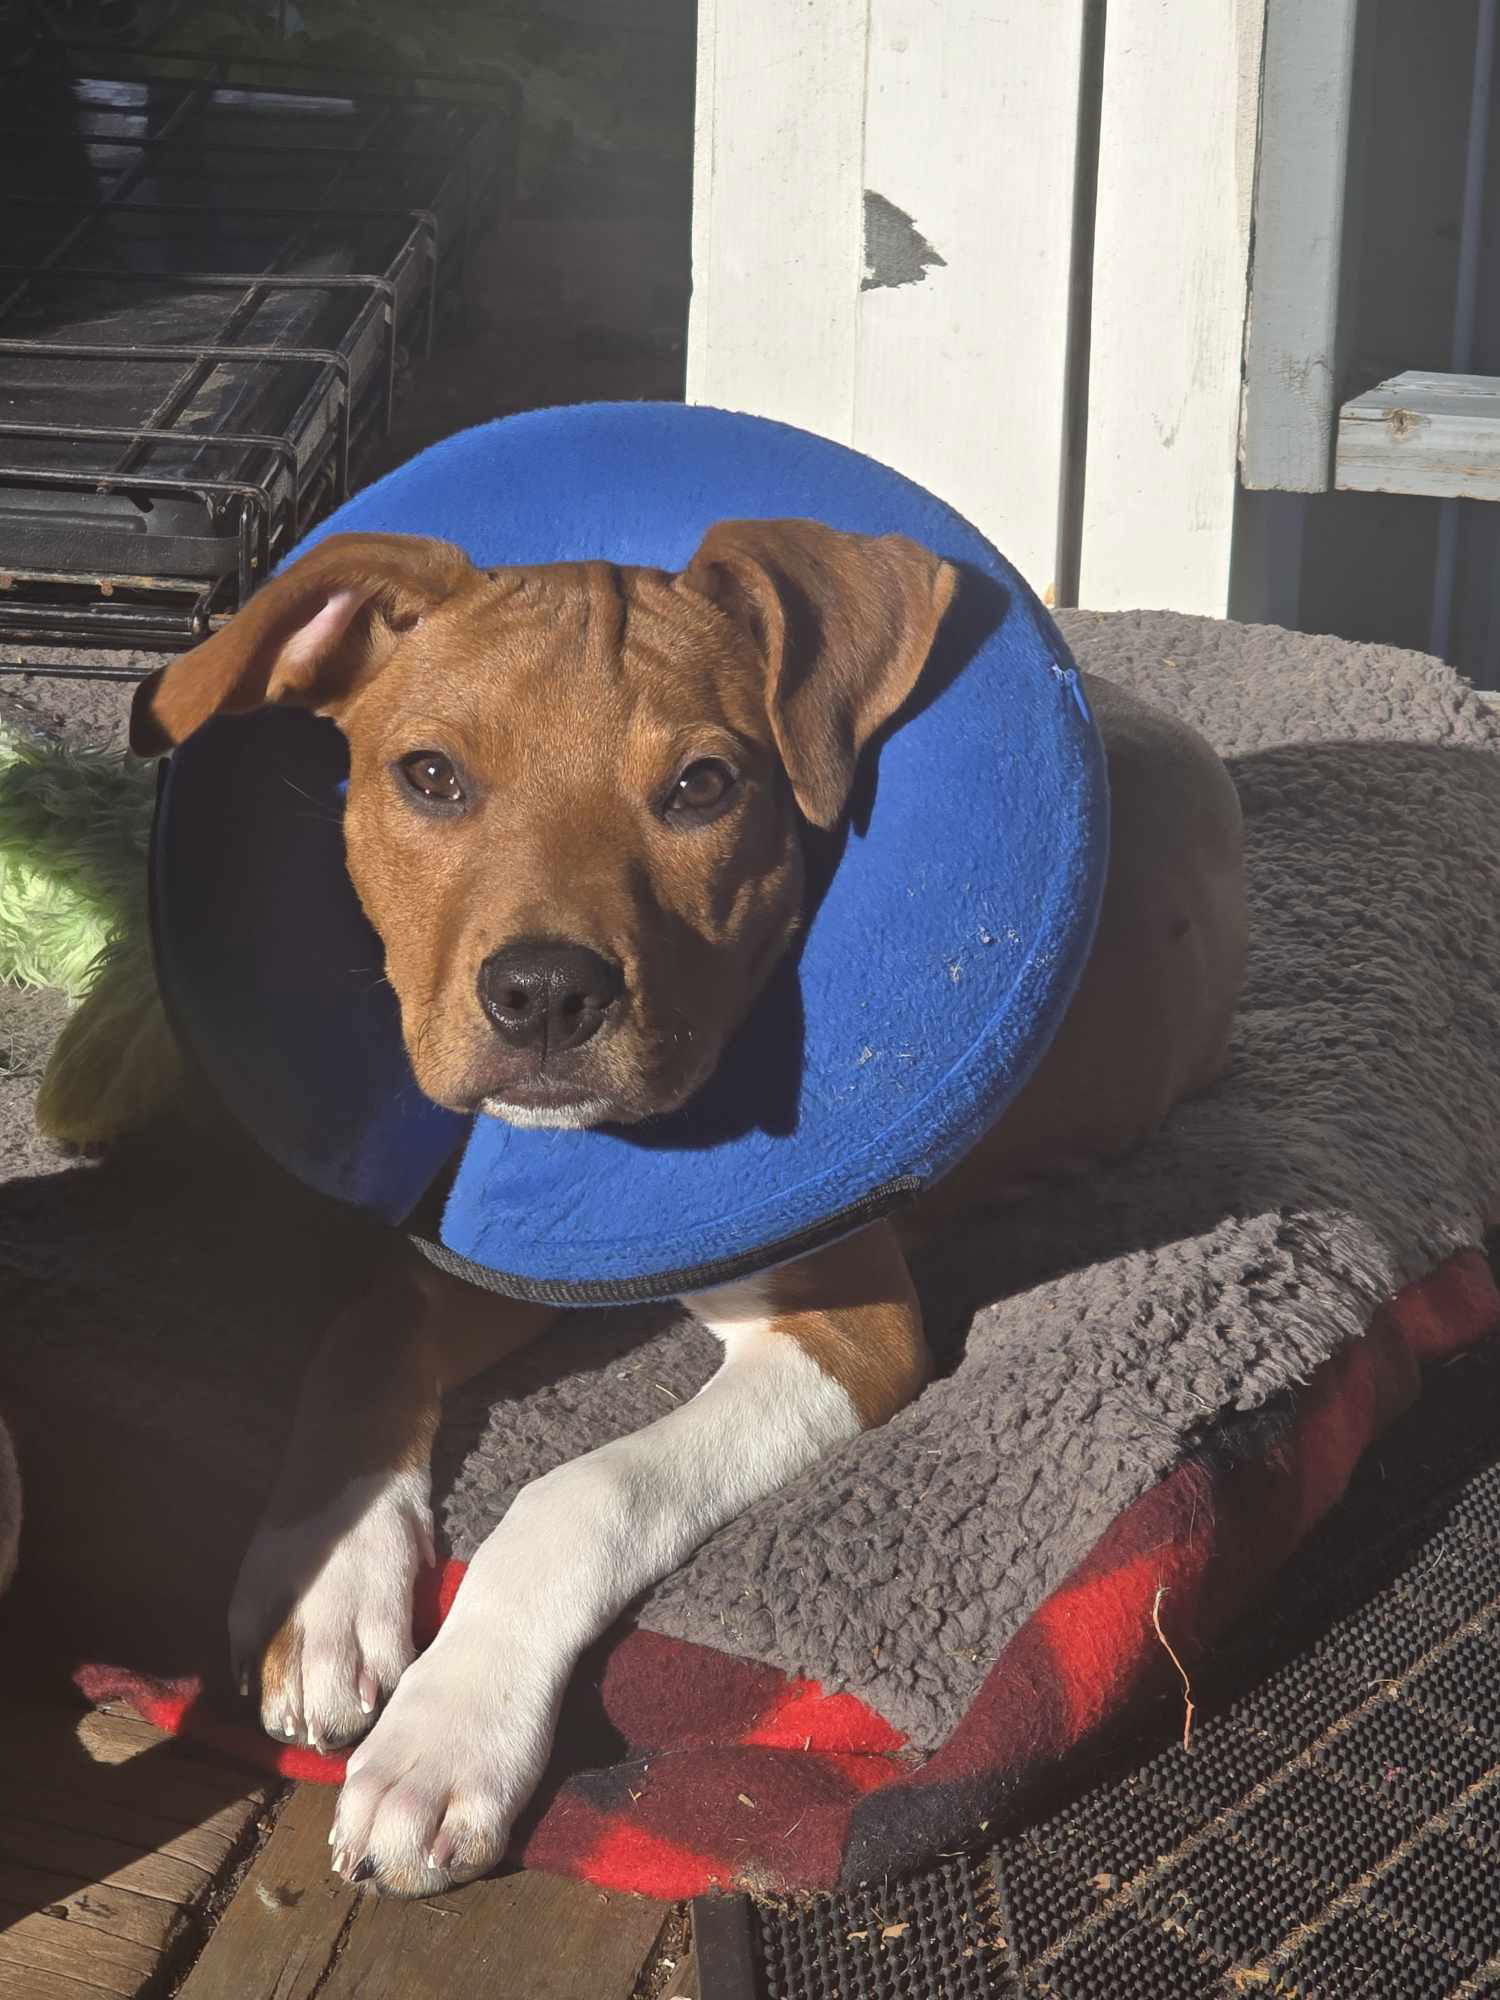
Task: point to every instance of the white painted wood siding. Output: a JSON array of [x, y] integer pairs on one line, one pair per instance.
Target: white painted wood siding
[[965, 118], [965, 121], [777, 230], [1171, 273], [971, 128]]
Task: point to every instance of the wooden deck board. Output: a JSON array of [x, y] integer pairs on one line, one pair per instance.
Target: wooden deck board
[[94, 1905], [283, 1925], [293, 1931], [111, 1837], [96, 1857], [33, 1941]]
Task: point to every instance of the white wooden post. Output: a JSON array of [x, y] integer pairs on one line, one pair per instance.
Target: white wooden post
[[1171, 266], [971, 122], [883, 247], [941, 140], [777, 229]]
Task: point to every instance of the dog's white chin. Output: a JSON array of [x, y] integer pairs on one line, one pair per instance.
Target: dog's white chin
[[548, 1117]]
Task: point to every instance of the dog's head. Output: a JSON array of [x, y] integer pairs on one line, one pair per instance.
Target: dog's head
[[576, 792]]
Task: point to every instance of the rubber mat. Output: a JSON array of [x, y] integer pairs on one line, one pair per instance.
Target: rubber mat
[[1331, 1830]]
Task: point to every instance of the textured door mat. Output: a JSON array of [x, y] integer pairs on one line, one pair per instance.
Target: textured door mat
[[1331, 1831]]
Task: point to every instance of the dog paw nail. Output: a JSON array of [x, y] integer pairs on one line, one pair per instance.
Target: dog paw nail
[[362, 1870], [339, 1858], [369, 1691]]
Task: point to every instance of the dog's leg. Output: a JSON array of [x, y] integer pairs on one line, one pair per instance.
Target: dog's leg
[[813, 1354], [322, 1607]]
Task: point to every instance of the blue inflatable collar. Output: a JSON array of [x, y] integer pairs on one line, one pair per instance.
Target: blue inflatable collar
[[935, 968]]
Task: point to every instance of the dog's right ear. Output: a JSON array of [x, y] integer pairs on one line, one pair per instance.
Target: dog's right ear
[[312, 636]]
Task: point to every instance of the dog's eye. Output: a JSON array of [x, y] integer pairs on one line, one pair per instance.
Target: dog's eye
[[701, 790], [431, 776]]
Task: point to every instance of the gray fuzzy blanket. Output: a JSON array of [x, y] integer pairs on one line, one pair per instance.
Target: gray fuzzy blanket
[[1091, 1333]]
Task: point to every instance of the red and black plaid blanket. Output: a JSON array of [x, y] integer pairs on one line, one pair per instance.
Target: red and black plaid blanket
[[682, 1768]]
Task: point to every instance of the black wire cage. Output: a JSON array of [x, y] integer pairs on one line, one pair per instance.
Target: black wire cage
[[208, 288]]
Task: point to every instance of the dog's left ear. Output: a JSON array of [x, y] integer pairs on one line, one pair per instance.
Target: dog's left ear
[[844, 624], [312, 636]]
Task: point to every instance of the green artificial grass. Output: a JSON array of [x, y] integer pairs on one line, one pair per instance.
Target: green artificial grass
[[75, 829], [75, 825]]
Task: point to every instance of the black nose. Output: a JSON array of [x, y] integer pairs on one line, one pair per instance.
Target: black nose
[[543, 993]]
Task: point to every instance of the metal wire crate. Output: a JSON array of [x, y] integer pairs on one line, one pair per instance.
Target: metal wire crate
[[206, 292]]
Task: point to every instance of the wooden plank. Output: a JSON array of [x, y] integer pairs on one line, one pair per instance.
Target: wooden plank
[[283, 1928], [145, 1763], [883, 226], [777, 212], [145, 1920], [29, 1982], [93, 1857], [523, 1937], [1423, 433], [292, 1932], [970, 118], [1171, 263], [31, 1941], [1292, 343], [116, 1735], [207, 1843], [111, 1834], [161, 1785]]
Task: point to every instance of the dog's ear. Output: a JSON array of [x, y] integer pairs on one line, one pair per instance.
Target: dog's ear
[[313, 635], [844, 625]]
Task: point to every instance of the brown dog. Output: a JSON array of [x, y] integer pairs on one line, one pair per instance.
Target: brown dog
[[644, 749]]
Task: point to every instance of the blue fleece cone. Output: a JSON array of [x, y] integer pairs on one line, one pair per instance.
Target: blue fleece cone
[[953, 910]]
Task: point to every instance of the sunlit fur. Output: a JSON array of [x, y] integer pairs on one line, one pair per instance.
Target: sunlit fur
[[568, 701]]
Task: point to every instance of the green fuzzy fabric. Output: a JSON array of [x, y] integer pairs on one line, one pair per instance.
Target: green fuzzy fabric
[[75, 825]]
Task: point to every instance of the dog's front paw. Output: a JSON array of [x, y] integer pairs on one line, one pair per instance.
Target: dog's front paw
[[322, 1611], [432, 1792]]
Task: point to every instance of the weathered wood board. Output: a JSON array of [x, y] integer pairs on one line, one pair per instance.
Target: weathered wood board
[[897, 243], [294, 1931], [882, 238], [112, 1838], [1423, 433], [1177, 132]]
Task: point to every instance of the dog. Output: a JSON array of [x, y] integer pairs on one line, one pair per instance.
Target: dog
[[647, 750]]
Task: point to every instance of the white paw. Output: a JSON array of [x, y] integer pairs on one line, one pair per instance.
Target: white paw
[[432, 1792], [321, 1613]]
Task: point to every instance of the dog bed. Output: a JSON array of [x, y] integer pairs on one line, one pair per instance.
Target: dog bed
[[1155, 1378]]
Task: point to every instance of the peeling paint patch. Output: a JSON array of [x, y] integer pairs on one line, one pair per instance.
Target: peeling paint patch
[[896, 251]]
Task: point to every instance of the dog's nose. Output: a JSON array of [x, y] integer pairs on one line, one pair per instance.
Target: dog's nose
[[543, 993]]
